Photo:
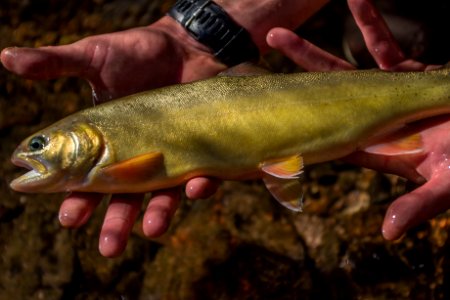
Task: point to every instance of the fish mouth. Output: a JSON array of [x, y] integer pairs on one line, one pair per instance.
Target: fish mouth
[[21, 163], [32, 179]]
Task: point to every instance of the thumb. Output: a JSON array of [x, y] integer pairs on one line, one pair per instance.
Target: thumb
[[416, 207], [47, 62]]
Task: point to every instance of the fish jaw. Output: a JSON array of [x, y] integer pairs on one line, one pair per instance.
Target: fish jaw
[[28, 182], [37, 179]]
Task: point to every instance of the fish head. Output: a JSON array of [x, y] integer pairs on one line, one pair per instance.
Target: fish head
[[58, 158]]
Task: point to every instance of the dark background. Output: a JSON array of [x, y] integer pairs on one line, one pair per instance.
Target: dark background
[[239, 244]]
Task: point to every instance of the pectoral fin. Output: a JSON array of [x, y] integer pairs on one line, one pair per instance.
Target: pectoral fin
[[136, 168], [281, 177], [408, 145]]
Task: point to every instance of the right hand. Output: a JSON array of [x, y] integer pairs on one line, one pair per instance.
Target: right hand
[[431, 198]]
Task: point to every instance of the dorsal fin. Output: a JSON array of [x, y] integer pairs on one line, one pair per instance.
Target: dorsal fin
[[245, 69]]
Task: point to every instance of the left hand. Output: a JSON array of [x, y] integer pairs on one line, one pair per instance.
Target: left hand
[[118, 64], [432, 197]]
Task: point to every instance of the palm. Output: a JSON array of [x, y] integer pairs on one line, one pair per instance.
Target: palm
[[432, 197], [122, 63], [140, 59]]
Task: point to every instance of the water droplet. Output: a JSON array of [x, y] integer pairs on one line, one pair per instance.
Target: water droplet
[[393, 219]]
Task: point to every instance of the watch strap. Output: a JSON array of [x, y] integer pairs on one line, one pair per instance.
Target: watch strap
[[209, 24]]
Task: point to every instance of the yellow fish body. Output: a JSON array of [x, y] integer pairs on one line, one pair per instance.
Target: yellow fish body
[[227, 127]]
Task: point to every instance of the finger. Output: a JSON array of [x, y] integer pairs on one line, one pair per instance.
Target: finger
[[120, 216], [404, 166], [416, 207], [48, 62], [303, 53], [377, 36], [77, 208], [412, 65], [200, 187], [159, 213]]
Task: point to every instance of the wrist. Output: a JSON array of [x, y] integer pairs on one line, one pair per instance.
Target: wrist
[[172, 28], [210, 25], [258, 17]]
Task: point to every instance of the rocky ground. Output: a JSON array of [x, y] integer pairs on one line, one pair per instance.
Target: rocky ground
[[239, 244]]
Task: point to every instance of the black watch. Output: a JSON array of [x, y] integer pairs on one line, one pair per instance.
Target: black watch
[[209, 24]]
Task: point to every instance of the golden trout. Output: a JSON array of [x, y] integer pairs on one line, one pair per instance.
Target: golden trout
[[231, 128]]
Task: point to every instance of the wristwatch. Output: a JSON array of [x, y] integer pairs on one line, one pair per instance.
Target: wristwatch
[[209, 24]]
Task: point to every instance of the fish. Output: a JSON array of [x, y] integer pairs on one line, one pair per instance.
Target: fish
[[233, 128]]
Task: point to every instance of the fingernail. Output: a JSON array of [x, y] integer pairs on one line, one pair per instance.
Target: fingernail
[[110, 245], [156, 224], [109, 239], [70, 217], [191, 190], [10, 52], [65, 218], [393, 227]]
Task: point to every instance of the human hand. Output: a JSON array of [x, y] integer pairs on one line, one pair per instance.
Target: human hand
[[429, 199], [115, 65]]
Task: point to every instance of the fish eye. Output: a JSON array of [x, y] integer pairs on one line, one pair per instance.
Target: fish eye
[[37, 143]]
